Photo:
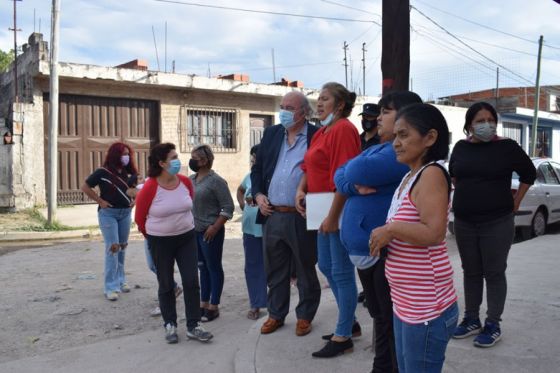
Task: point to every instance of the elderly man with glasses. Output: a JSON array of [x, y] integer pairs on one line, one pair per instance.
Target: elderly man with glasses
[[275, 177]]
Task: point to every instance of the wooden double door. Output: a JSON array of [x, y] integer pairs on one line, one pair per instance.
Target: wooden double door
[[88, 125]]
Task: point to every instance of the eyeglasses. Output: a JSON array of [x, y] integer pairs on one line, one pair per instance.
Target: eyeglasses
[[289, 108]]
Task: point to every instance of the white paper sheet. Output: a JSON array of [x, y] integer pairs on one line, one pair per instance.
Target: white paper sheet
[[317, 208]]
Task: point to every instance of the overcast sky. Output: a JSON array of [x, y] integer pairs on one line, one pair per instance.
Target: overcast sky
[[204, 40]]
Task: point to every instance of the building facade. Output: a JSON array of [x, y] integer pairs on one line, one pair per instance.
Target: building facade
[[100, 105]]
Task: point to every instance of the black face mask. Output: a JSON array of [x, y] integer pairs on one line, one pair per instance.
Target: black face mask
[[193, 165], [368, 125]]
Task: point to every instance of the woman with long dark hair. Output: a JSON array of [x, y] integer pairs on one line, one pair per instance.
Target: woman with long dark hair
[[115, 179]]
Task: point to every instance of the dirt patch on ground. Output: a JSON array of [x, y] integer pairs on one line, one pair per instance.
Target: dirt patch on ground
[[52, 296], [16, 221]]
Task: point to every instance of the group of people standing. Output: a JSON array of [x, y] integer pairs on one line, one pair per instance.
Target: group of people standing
[[183, 221], [391, 196]]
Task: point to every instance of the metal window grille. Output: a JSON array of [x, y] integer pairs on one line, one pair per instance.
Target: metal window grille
[[514, 131], [216, 127]]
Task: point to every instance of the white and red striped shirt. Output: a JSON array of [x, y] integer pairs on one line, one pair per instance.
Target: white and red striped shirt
[[420, 277]]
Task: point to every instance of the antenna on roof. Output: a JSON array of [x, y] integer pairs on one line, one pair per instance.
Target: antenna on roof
[[155, 45], [165, 59]]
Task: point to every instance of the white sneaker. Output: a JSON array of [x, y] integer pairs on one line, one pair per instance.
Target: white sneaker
[[125, 288], [171, 333], [155, 312], [112, 296], [199, 333]]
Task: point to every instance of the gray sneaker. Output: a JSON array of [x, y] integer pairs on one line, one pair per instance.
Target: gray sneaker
[[199, 333], [171, 333]]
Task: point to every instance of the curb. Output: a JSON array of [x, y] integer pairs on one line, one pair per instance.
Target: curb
[[55, 235]]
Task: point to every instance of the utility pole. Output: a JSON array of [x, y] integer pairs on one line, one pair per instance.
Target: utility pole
[[364, 67], [273, 68], [345, 63], [53, 117], [497, 87], [395, 54], [165, 53], [15, 30], [537, 99]]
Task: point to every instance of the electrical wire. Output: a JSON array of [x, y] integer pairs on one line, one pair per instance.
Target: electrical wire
[[469, 47], [264, 11], [484, 26]]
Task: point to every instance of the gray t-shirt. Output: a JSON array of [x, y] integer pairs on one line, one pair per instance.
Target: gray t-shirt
[[211, 199]]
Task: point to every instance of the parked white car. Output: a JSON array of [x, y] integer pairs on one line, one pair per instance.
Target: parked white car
[[541, 205]]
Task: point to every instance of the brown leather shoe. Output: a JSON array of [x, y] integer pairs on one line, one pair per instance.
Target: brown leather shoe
[[303, 327], [271, 325]]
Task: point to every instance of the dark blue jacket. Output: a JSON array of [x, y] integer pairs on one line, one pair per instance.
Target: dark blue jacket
[[267, 157], [375, 167]]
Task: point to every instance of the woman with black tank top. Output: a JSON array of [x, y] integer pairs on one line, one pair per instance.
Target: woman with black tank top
[[114, 179]]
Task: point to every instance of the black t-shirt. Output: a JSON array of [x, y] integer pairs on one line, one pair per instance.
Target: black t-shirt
[[112, 186], [372, 141], [482, 173]]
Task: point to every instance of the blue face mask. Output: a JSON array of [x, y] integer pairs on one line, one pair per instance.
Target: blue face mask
[[327, 120], [174, 167], [286, 118]]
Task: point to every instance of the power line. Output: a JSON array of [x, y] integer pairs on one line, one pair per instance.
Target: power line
[[482, 25], [490, 44], [469, 47], [349, 7], [265, 11]]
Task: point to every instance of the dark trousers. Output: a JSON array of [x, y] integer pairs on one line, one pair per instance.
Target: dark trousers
[[380, 307], [285, 238], [484, 248], [255, 275], [165, 252], [210, 266]]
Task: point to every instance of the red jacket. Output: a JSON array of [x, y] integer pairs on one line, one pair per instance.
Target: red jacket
[[146, 196]]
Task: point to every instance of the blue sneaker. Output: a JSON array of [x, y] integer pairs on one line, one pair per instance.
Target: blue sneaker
[[489, 335], [467, 327]]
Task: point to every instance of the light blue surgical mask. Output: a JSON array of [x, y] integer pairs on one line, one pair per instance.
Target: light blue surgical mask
[[174, 166], [327, 120], [484, 131], [286, 118]]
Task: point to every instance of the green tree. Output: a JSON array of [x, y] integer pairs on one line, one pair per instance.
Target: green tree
[[6, 59]]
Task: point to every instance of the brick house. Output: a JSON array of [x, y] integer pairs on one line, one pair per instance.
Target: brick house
[[100, 105]]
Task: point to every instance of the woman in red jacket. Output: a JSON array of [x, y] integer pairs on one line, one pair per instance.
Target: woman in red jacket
[[164, 216], [332, 146]]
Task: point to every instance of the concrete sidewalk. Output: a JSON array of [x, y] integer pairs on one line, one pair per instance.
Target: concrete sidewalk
[[529, 344]]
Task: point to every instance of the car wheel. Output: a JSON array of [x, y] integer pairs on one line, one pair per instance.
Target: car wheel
[[451, 227], [538, 225]]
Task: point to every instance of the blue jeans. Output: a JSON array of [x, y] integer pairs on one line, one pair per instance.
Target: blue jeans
[[254, 270], [421, 347], [115, 227], [210, 266], [335, 264]]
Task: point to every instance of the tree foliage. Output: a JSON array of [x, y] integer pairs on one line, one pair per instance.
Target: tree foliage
[[6, 59]]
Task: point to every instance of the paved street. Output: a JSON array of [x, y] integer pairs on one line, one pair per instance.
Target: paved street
[[57, 319]]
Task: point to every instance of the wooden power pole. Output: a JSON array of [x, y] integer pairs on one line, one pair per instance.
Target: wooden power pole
[[52, 167], [395, 50]]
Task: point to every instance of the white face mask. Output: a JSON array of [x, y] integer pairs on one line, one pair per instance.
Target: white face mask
[[327, 120], [125, 160], [484, 131]]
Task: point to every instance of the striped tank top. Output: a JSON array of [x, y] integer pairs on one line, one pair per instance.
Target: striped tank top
[[420, 277]]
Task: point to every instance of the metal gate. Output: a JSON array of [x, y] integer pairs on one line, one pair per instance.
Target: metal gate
[[88, 126]]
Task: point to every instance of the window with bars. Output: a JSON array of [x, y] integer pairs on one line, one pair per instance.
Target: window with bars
[[216, 127], [514, 131]]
